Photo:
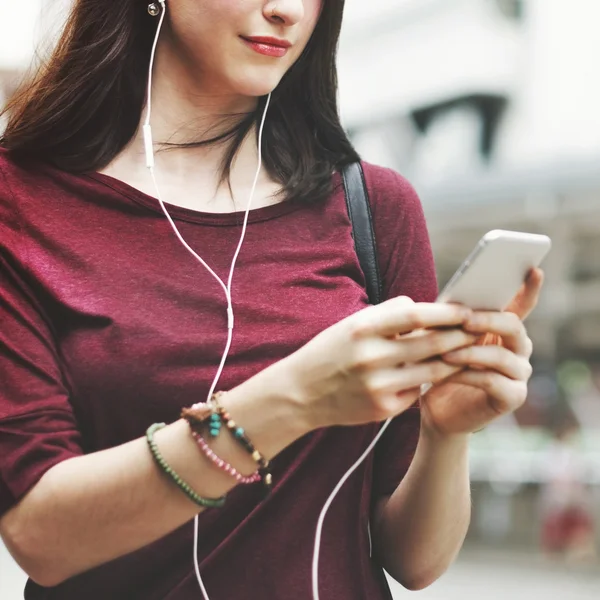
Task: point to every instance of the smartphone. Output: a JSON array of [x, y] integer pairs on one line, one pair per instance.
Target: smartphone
[[493, 273]]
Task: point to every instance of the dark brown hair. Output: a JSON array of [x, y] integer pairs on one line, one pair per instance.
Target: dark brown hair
[[84, 105]]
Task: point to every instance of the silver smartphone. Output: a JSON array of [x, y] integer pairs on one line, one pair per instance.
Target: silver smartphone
[[493, 273]]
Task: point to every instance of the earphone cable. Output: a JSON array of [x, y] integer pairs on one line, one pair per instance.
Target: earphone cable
[[227, 288], [149, 149], [325, 509]]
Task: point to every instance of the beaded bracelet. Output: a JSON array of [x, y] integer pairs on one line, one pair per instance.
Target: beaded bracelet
[[170, 472], [212, 411], [223, 465]]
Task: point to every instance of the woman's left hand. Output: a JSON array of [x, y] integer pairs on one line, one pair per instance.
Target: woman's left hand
[[494, 379]]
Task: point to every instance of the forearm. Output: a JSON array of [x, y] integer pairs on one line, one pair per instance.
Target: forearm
[[92, 509], [420, 529]]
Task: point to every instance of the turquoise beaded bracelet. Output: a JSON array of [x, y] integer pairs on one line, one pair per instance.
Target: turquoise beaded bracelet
[[168, 470], [213, 413]]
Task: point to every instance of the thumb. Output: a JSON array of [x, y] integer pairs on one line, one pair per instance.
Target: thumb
[[527, 298]]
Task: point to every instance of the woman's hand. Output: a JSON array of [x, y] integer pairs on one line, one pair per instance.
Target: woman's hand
[[493, 375], [367, 368]]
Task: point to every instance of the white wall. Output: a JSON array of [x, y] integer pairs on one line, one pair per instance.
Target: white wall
[[12, 579], [24, 29], [17, 32]]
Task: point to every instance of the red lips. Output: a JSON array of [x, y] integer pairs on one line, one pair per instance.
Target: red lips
[[268, 46], [269, 41]]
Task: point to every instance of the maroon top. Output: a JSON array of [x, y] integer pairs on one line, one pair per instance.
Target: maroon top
[[109, 325]]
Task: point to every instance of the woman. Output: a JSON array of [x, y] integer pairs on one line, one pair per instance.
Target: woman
[[110, 326]]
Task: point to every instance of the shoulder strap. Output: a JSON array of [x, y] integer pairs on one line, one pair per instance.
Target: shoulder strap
[[359, 210]]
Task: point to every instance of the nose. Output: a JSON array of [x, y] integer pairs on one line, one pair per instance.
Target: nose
[[284, 12]]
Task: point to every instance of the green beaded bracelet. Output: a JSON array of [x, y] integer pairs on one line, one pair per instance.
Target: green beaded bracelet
[[181, 484]]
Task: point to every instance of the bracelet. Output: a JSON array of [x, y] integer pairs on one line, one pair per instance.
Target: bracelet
[[181, 484], [212, 412], [240, 436], [223, 465]]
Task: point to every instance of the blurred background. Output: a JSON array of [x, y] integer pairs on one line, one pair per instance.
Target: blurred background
[[490, 108]]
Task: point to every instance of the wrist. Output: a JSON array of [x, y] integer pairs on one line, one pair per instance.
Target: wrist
[[299, 399], [444, 453], [434, 436], [272, 415]]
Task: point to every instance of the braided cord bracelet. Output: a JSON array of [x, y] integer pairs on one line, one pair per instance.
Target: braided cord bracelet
[[240, 436], [172, 474], [214, 414]]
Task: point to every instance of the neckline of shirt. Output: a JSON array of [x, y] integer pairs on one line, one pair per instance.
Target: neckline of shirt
[[180, 213]]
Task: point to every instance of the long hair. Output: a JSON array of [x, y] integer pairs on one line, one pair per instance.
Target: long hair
[[84, 105]]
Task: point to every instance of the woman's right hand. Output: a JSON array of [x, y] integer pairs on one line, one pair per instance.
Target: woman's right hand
[[371, 365]]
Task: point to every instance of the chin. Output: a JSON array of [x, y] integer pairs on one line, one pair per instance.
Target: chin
[[257, 84]]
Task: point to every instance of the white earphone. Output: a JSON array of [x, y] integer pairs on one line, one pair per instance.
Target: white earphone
[[149, 151]]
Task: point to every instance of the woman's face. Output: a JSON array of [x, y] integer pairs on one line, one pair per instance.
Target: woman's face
[[240, 47]]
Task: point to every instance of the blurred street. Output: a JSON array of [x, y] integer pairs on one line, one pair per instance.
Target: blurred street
[[498, 576]]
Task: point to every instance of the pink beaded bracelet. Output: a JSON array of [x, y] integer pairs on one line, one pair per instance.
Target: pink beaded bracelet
[[223, 465]]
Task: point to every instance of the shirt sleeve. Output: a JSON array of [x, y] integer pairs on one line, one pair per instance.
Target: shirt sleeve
[[37, 425], [407, 269]]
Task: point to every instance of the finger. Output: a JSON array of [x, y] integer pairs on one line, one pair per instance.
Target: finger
[[394, 404], [494, 358], [528, 296], [505, 324], [397, 316], [504, 395], [432, 344], [378, 353], [387, 382]]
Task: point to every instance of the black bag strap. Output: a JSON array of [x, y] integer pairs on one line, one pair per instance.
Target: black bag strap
[[359, 210]]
